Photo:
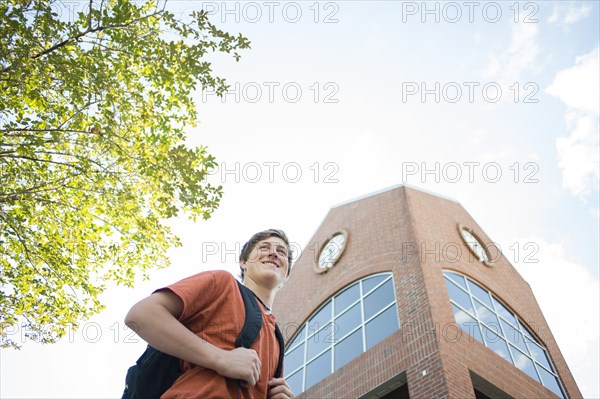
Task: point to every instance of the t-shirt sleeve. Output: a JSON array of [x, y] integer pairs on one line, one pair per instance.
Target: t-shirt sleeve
[[199, 291]]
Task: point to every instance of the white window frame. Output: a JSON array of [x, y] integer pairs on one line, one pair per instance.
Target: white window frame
[[308, 333]]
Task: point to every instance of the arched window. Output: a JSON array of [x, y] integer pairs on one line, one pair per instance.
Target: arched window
[[352, 321], [484, 317]]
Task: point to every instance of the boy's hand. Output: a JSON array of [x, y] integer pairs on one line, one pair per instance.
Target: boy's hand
[[279, 389], [240, 364]]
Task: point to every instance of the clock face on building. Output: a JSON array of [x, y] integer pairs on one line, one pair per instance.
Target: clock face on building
[[474, 245], [331, 251]]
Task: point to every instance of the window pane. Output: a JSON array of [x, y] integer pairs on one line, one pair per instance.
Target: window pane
[[495, 343], [371, 282], [318, 369], [512, 333], [346, 298], [550, 382], [348, 349], [460, 297], [347, 322], [523, 362], [480, 293], [382, 326], [299, 337], [467, 323], [378, 299], [319, 341], [295, 382], [294, 358], [539, 355], [526, 333], [460, 280], [501, 330], [322, 318], [487, 316], [504, 312], [339, 325]]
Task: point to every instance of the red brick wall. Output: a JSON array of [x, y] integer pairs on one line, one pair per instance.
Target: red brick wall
[[437, 221], [414, 235]]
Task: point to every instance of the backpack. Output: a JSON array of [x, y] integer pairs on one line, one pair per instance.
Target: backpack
[[155, 371]]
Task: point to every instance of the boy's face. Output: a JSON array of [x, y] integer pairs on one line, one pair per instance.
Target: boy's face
[[268, 262]]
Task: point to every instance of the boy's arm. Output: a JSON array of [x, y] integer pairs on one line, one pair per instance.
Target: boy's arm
[[155, 320]]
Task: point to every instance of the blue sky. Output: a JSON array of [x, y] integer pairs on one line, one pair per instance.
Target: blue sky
[[346, 98]]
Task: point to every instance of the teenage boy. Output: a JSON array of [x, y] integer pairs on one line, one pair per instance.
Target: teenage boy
[[198, 319]]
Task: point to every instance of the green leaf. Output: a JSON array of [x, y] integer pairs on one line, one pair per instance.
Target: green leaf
[[92, 152]]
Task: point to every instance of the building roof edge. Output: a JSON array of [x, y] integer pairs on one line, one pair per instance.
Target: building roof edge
[[391, 188]]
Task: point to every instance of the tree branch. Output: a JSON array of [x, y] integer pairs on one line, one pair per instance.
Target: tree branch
[[28, 129], [82, 34], [25, 247], [33, 190], [90, 30], [44, 160]]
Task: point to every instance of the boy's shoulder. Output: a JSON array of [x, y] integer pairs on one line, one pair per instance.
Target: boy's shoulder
[[224, 274], [213, 280], [216, 274], [222, 277], [217, 278]]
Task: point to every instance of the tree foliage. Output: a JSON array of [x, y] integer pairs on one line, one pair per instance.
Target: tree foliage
[[93, 159]]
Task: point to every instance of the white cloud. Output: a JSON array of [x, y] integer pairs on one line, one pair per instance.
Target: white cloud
[[511, 68], [565, 15], [508, 66], [578, 86], [578, 155], [552, 19], [568, 296]]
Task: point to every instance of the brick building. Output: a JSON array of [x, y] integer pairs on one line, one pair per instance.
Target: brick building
[[400, 294]]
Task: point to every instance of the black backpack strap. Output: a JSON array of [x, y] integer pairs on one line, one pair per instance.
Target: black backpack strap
[[253, 322], [279, 371]]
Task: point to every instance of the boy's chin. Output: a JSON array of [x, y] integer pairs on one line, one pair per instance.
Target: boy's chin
[[271, 278]]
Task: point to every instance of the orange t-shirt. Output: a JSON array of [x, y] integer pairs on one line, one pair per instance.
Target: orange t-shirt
[[213, 308]]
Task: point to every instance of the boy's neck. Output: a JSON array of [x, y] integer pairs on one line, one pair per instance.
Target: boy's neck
[[264, 294]]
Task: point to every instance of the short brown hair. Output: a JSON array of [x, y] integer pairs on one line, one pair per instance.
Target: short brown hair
[[263, 235]]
